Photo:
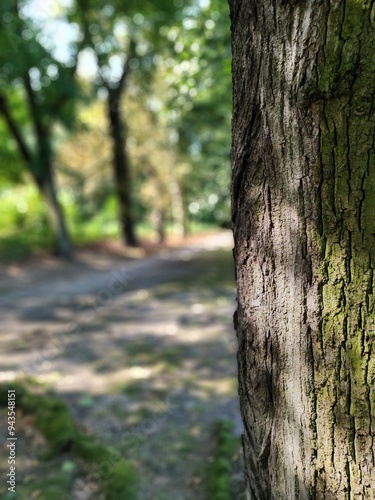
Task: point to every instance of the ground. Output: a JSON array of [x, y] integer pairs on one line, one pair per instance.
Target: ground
[[142, 350]]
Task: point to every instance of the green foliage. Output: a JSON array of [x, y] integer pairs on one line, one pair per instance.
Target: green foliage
[[23, 227], [34, 78], [199, 106], [24, 230], [28, 57], [119, 33], [11, 170]]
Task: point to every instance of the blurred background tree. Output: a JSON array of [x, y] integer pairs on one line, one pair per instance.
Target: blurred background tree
[[122, 43], [38, 94], [125, 107]]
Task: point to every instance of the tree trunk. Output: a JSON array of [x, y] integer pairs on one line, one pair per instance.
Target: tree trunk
[[303, 200], [178, 209], [121, 169], [41, 170], [158, 216], [55, 215]]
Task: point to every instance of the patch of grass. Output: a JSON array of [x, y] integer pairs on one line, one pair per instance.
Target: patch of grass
[[219, 471]]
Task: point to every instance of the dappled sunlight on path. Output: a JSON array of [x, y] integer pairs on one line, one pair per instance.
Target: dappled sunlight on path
[[143, 352]]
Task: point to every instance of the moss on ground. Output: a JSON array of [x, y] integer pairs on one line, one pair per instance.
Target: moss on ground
[[121, 482], [116, 476], [220, 469]]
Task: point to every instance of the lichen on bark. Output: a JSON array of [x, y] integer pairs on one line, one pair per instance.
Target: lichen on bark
[[347, 198], [304, 223]]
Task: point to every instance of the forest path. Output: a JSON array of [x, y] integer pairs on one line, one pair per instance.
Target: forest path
[[143, 351]]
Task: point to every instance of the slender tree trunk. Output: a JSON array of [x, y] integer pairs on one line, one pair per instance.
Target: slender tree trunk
[[43, 173], [159, 221], [55, 214], [121, 169], [303, 191], [39, 166], [178, 209]]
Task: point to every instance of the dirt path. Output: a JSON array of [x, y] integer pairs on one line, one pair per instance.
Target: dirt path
[[142, 350]]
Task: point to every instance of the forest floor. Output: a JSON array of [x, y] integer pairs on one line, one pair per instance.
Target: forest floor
[[142, 350]]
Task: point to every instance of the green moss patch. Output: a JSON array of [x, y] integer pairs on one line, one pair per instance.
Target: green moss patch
[[116, 476], [121, 482], [220, 469]]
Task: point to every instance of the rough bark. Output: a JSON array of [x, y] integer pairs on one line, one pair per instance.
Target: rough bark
[[303, 160]]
